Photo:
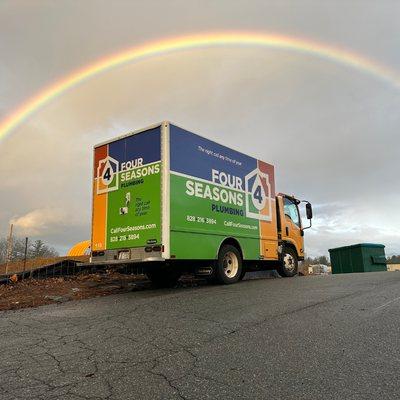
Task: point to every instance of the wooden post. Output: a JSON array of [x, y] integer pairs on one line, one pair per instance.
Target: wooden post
[[25, 252], [9, 247]]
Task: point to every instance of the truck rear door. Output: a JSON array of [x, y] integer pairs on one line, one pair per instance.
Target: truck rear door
[[127, 192]]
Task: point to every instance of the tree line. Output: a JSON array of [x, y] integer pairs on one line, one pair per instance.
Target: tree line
[[324, 260], [36, 249], [393, 260]]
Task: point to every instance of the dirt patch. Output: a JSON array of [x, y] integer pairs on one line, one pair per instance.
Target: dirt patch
[[33, 293], [37, 292]]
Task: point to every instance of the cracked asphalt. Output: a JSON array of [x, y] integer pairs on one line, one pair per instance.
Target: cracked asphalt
[[323, 337]]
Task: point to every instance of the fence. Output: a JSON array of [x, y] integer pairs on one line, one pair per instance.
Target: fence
[[16, 267], [42, 268]]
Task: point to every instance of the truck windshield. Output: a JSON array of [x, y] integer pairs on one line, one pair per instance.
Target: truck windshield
[[292, 211]]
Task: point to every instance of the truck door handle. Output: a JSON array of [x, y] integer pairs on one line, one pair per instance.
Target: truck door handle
[[287, 231]]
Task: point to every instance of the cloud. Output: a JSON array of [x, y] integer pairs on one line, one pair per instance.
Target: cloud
[[40, 222], [342, 224]]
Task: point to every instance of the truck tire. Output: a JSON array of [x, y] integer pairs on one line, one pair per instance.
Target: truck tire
[[243, 273], [164, 278], [290, 263], [229, 265]]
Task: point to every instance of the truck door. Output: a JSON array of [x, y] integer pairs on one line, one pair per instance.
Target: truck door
[[291, 228], [127, 196]]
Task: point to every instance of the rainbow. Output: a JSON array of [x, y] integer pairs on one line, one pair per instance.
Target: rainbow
[[203, 40]]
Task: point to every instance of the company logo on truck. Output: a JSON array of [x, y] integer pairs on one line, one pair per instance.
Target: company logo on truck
[[254, 193], [107, 175], [111, 173], [258, 186]]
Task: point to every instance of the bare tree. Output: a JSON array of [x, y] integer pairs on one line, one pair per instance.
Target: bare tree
[[324, 260], [36, 249], [3, 250], [394, 259]]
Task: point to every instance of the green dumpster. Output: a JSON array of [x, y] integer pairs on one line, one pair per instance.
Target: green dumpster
[[363, 257]]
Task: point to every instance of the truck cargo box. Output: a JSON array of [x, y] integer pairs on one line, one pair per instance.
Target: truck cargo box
[[165, 193]]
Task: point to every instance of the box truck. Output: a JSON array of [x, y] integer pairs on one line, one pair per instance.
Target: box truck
[[167, 201]]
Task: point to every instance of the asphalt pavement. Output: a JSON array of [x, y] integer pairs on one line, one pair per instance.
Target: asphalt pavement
[[321, 337]]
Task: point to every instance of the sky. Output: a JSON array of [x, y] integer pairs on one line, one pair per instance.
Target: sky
[[331, 131]]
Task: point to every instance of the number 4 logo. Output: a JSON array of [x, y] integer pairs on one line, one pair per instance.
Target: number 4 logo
[[260, 193], [107, 175]]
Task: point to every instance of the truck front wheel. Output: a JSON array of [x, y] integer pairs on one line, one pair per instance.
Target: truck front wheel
[[229, 265], [289, 263]]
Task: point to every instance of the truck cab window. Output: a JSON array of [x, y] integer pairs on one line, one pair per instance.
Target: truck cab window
[[292, 211]]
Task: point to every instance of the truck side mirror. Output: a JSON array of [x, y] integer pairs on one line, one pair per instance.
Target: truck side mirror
[[309, 212]]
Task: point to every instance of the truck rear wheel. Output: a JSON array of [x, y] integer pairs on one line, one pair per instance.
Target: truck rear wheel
[[290, 263], [164, 278], [229, 265]]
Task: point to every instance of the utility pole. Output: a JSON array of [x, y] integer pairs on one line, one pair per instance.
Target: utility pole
[[9, 247]]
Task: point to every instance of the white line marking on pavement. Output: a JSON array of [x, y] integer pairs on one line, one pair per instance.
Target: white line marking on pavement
[[386, 304]]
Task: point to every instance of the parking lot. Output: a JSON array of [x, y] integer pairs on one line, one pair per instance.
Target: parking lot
[[322, 337]]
